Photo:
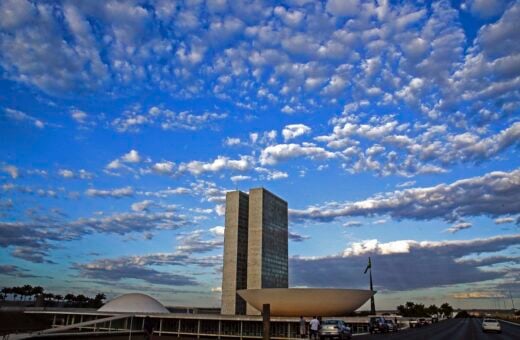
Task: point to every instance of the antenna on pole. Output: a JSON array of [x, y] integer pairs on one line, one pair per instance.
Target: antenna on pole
[[372, 302]]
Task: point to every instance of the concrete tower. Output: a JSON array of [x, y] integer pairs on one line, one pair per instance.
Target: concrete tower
[[234, 272], [255, 246], [267, 248]]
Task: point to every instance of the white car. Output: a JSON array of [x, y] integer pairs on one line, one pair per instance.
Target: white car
[[491, 325]]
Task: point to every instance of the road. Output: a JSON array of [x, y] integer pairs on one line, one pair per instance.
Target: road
[[466, 329]]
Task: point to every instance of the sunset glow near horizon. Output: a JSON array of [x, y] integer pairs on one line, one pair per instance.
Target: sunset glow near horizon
[[391, 129]]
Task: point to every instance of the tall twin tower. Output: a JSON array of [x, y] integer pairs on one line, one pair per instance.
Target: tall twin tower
[[255, 247]]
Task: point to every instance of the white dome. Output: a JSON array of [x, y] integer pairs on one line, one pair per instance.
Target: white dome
[[133, 303]]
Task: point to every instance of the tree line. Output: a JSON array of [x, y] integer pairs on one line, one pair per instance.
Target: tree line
[[411, 309], [30, 293]]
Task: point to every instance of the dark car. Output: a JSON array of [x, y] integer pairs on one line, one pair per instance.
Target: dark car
[[335, 329], [377, 324]]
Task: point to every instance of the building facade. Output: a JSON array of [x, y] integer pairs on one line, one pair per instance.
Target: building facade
[[255, 246], [234, 272]]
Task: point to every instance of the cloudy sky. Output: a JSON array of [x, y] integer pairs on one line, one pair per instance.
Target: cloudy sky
[[392, 129]]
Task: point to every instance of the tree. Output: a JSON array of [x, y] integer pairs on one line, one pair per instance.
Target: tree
[[6, 291], [70, 298], [98, 300], [446, 310], [16, 291], [48, 296], [37, 291], [433, 310], [26, 291], [462, 314], [411, 309], [58, 297], [81, 299]]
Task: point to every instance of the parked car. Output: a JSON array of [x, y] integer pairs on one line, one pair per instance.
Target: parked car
[[412, 323], [392, 327], [491, 325], [421, 322], [377, 324], [335, 329]]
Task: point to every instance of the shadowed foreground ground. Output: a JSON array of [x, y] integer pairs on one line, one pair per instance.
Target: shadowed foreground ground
[[19, 322]]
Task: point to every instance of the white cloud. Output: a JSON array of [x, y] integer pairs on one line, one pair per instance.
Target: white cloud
[[132, 120], [24, 117], [232, 141], [79, 116], [276, 153], [343, 7], [449, 267], [220, 209], [240, 178], [405, 184], [65, 173], [274, 175], [163, 167], [131, 157], [141, 206], [487, 8], [217, 231], [219, 164], [166, 192], [295, 130], [352, 224], [115, 164], [11, 170], [287, 109], [116, 193], [447, 201], [504, 220], [458, 227], [32, 241], [84, 174], [480, 295]]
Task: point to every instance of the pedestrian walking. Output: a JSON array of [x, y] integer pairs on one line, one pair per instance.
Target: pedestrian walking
[[315, 326], [303, 327]]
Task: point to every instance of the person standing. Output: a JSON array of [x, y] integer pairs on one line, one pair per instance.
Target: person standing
[[303, 327], [315, 326]]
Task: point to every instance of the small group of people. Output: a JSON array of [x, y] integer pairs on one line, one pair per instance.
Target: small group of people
[[314, 327]]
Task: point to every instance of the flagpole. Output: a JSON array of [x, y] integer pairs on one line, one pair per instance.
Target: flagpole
[[372, 301]]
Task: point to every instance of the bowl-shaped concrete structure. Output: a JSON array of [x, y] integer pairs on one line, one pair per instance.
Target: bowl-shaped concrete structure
[[307, 301]]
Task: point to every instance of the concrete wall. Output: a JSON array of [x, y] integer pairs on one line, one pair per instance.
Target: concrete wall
[[254, 244], [234, 272]]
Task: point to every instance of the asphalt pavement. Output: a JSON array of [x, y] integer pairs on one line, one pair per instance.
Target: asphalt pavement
[[464, 329]]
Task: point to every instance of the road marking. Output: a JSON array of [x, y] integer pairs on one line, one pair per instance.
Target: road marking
[[509, 322]]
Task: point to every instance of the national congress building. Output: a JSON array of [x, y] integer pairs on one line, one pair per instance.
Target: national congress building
[[255, 247]]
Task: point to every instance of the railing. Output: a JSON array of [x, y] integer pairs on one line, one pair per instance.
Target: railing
[[179, 325]]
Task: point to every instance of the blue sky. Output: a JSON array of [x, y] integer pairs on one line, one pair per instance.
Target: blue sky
[[391, 128]]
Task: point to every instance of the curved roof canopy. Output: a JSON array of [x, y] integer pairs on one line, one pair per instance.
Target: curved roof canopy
[[134, 303], [307, 301]]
